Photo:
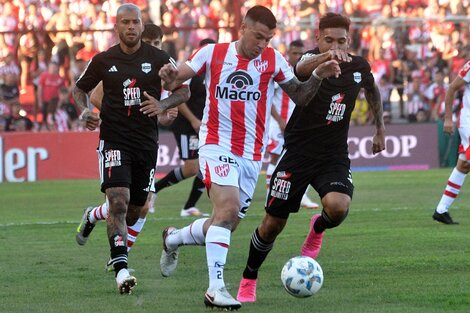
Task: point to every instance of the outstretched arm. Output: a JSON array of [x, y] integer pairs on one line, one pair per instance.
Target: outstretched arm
[[375, 106], [152, 107]]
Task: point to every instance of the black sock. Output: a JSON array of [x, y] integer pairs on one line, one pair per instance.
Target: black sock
[[196, 191], [173, 177], [259, 250], [118, 252]]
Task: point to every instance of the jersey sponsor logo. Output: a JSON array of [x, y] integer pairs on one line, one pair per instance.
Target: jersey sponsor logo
[[146, 67], [281, 186], [357, 77], [113, 69], [237, 90], [131, 93], [226, 159], [261, 66], [112, 158], [337, 108], [222, 170]]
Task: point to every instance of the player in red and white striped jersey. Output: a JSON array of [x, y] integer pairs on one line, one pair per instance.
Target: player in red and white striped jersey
[[239, 78], [457, 177]]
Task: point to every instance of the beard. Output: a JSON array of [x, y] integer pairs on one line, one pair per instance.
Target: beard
[[129, 42]]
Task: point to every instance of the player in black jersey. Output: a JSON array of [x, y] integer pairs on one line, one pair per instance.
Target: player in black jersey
[[185, 129], [316, 151], [128, 131]]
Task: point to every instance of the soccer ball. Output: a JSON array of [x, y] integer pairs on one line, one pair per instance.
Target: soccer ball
[[302, 276]]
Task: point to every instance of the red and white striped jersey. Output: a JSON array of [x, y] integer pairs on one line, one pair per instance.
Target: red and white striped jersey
[[239, 96], [464, 118]]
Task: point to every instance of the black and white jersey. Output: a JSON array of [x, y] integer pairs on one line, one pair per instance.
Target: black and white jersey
[[321, 128], [195, 104], [125, 78]]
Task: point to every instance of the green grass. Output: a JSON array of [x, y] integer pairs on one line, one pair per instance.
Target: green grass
[[388, 256]]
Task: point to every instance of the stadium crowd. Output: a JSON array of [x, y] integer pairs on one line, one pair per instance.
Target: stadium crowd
[[415, 48]]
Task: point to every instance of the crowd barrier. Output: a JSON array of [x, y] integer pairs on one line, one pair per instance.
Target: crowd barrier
[[28, 157]]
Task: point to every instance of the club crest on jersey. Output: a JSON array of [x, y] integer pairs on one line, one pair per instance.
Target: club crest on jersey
[[357, 77], [261, 66], [146, 67], [222, 170]]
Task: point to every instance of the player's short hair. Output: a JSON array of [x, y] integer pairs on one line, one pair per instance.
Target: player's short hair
[[152, 31], [206, 41], [263, 15], [334, 20], [296, 43], [129, 7]]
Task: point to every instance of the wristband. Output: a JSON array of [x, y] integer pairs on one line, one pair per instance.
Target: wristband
[[315, 75]]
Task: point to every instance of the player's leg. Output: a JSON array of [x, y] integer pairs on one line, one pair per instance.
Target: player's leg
[[455, 181], [336, 199]]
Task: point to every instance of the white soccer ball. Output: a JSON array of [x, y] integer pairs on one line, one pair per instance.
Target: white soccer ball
[[302, 276]]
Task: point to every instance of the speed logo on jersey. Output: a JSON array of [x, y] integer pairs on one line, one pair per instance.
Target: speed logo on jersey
[[131, 93], [337, 108], [146, 67], [236, 88], [222, 170], [281, 185], [261, 66]]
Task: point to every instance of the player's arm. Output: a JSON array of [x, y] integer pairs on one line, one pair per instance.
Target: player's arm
[[309, 61], [192, 119], [167, 118], [152, 107], [96, 96], [303, 92], [375, 106], [83, 103], [278, 118], [454, 86], [172, 77]]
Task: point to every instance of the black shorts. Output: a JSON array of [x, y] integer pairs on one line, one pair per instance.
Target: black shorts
[[122, 167], [294, 172], [188, 145]]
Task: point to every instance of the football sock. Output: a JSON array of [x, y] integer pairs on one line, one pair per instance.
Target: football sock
[[196, 191], [173, 177], [325, 222], [269, 173], [118, 252], [98, 213], [191, 235], [259, 250], [451, 192], [134, 231], [217, 244]]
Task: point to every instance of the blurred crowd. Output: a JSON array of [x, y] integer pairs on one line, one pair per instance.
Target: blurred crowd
[[415, 48]]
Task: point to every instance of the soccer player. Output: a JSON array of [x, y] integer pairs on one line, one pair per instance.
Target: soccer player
[[152, 35], [316, 150], [128, 131], [281, 111], [457, 177], [185, 128], [239, 79]]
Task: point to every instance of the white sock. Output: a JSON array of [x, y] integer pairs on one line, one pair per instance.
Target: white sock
[[191, 235], [134, 231], [452, 190], [99, 213], [217, 244]]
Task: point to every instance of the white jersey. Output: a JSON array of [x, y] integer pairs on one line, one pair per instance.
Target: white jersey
[[239, 96], [464, 117]]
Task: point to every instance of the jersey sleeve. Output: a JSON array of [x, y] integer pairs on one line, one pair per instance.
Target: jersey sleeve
[[464, 73], [284, 73], [368, 82], [198, 61], [91, 76]]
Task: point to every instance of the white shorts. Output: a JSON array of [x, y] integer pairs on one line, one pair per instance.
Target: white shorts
[[464, 151], [223, 168], [276, 138]]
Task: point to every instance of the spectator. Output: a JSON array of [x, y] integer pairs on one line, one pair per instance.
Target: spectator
[[50, 83], [27, 55], [18, 121]]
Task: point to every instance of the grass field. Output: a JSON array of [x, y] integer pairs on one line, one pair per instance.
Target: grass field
[[388, 256]]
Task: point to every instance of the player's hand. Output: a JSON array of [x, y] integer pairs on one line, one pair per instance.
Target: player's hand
[[378, 142], [168, 73], [151, 107], [448, 126], [339, 55], [328, 69], [168, 116], [91, 119]]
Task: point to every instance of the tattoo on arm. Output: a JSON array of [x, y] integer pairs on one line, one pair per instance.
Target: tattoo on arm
[[302, 92], [81, 98], [176, 98], [375, 105]]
